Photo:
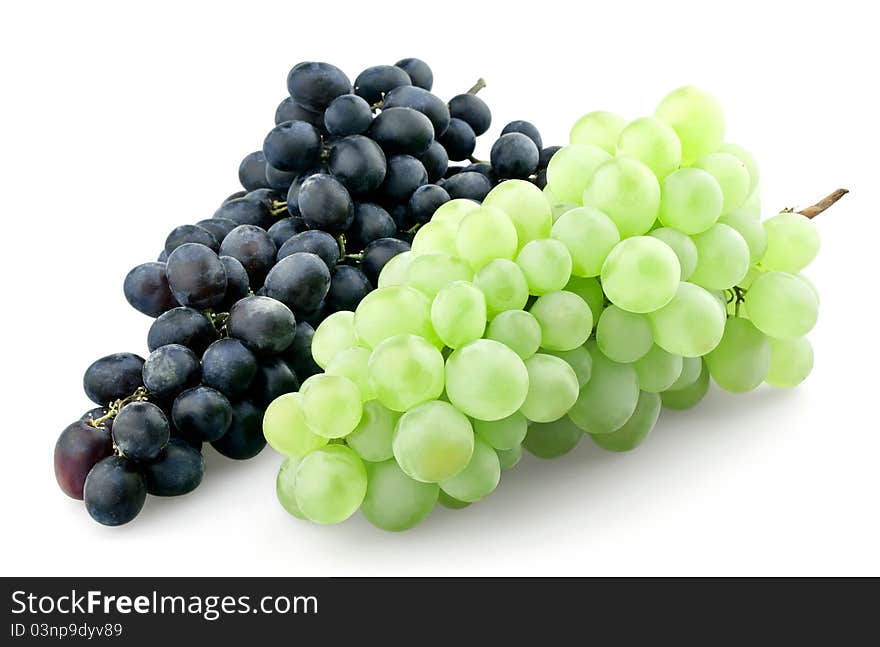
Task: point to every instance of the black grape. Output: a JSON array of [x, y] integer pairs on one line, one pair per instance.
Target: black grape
[[452, 171], [436, 161], [288, 110], [348, 286], [527, 129], [233, 196], [358, 163], [425, 201], [98, 412], [546, 155], [80, 446], [284, 229], [196, 276], [314, 242], [252, 171], [292, 146], [190, 234], [482, 168], [181, 325], [163, 256], [244, 439], [402, 131], [140, 431], [423, 101], [378, 253], [237, 282], [314, 85], [274, 378], [468, 184], [202, 413], [146, 289], [169, 370], [405, 175], [375, 81], [318, 315], [541, 178], [243, 211], [279, 180], [299, 281], [113, 377], [265, 325], [514, 155], [114, 491], [229, 367], [419, 72], [177, 470], [370, 223], [266, 196], [402, 217], [299, 353], [347, 115], [253, 248], [473, 110], [325, 204], [218, 227], [459, 140]]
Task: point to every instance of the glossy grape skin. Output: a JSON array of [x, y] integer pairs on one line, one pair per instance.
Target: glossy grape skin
[[552, 439], [348, 285], [229, 367], [252, 171], [402, 131], [325, 204], [218, 227], [253, 248], [182, 325], [358, 163], [266, 326], [196, 276], [420, 74], [459, 140], [171, 369], [473, 110], [80, 446], [274, 378], [435, 160], [141, 430], [146, 289], [377, 80], [425, 200], [347, 114], [370, 223], [285, 229], [289, 110], [244, 211], [378, 253], [202, 413], [315, 242], [113, 377], [115, 491], [279, 180], [267, 196], [469, 185], [526, 128], [177, 470], [244, 439], [405, 175], [190, 234], [314, 85], [423, 101], [514, 156], [299, 281]]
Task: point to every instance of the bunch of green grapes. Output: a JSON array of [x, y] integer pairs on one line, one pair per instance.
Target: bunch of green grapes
[[640, 272]]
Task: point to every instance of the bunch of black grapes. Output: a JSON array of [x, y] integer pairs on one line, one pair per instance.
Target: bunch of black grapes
[[343, 181]]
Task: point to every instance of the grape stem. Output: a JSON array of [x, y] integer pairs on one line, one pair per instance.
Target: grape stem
[[140, 395], [476, 87], [823, 204], [218, 320], [353, 257], [341, 240], [414, 228]]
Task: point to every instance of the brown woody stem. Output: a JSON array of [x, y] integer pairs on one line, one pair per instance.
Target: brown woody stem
[[823, 204]]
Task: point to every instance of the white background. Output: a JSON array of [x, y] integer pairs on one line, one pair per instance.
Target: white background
[[119, 123]]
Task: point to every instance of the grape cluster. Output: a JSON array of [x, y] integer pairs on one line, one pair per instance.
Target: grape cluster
[[343, 181], [530, 318]]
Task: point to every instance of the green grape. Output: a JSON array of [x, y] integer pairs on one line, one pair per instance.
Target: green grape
[[658, 370], [732, 176], [746, 158], [386, 312], [437, 236], [352, 363], [405, 371], [641, 274], [479, 478], [653, 143], [590, 290], [336, 333], [753, 204], [486, 380], [331, 405], [552, 439], [626, 191], [430, 273], [559, 209], [484, 235], [285, 486], [433, 442], [546, 264], [579, 359], [396, 270], [285, 428], [688, 396], [454, 211], [553, 388], [526, 207], [782, 305], [691, 202], [506, 433], [791, 361], [448, 502], [371, 439], [609, 398], [697, 118], [808, 281], [682, 245], [723, 258], [690, 373], [565, 319], [509, 458], [792, 243], [330, 484], [589, 235], [504, 286], [549, 195], [394, 501], [741, 360], [749, 278], [518, 330], [570, 170], [623, 336], [598, 128], [752, 231], [636, 429], [691, 324], [458, 314]]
